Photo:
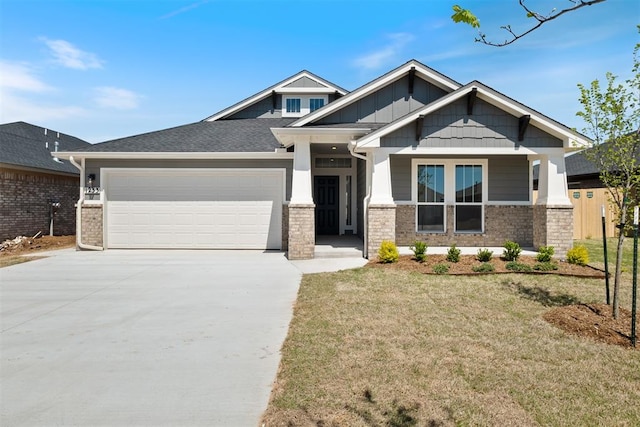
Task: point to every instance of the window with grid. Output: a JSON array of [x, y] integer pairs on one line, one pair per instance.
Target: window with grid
[[315, 103], [431, 197]]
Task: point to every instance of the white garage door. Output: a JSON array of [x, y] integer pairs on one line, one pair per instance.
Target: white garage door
[[195, 208]]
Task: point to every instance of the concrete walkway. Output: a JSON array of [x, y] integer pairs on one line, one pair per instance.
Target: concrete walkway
[[157, 338]]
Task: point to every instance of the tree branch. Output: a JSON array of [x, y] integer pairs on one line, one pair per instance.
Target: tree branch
[[538, 17]]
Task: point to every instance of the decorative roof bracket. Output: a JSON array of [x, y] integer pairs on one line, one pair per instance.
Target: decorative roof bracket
[[523, 123], [419, 125], [412, 77], [471, 99]]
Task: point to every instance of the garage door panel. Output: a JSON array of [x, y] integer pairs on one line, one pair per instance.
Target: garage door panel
[[223, 209]]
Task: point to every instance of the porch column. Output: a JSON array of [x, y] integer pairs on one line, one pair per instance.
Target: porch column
[[381, 212], [553, 211], [302, 237]]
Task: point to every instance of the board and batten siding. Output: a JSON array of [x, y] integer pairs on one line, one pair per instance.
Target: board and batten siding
[[387, 104], [488, 126], [508, 177], [94, 166]]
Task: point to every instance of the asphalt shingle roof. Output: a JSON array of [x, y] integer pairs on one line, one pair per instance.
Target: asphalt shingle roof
[[241, 135], [24, 144]]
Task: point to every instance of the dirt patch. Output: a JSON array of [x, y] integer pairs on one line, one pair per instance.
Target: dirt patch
[[594, 321], [28, 245], [467, 262]]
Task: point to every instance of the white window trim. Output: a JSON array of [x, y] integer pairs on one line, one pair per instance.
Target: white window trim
[[305, 107], [450, 188]]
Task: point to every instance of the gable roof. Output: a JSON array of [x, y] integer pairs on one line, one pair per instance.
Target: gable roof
[[493, 97], [420, 70], [25, 145], [285, 86], [240, 135]]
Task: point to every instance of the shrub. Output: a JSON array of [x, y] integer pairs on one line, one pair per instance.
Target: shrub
[[511, 251], [388, 252], [545, 266], [485, 267], [419, 250], [453, 254], [545, 253], [441, 268], [519, 267], [578, 255], [484, 255]]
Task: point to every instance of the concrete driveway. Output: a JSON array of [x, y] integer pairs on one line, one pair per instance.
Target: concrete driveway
[[115, 338]]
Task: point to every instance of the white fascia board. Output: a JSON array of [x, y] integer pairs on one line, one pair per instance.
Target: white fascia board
[[372, 87], [174, 155], [267, 92], [288, 136], [466, 151], [305, 90]]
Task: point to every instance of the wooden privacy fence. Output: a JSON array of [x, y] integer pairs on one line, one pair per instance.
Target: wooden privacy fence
[[587, 212]]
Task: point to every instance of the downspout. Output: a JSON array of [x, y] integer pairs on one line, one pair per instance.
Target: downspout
[[79, 211], [351, 146]]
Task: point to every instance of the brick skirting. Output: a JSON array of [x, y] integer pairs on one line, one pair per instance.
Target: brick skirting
[[553, 226], [302, 232], [501, 223], [381, 226], [92, 230]]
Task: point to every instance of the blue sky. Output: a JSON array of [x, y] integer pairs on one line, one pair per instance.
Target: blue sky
[[102, 69]]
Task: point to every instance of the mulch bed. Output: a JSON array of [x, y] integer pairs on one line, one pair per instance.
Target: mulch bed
[[594, 321], [467, 262]]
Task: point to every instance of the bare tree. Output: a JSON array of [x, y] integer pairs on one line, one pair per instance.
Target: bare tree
[[467, 17]]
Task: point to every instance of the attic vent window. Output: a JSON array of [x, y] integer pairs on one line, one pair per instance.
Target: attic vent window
[[315, 103], [298, 105]]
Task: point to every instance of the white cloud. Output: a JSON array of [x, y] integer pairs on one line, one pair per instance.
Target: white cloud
[[70, 56], [20, 108], [386, 53], [113, 97], [19, 76]]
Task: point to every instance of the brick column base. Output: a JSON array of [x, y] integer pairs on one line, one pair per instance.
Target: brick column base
[[302, 232], [553, 226], [91, 224], [381, 225]]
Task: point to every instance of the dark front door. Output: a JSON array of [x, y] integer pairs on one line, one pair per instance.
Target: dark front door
[[326, 199]]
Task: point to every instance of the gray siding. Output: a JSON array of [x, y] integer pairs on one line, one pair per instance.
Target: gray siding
[[508, 177], [387, 104], [94, 166], [261, 110], [489, 126], [305, 82]]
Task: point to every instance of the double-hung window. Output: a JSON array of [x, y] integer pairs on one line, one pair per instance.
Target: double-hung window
[[459, 184], [431, 207], [468, 203]]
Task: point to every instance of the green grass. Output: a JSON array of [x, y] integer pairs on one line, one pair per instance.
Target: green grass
[[377, 347], [6, 261], [596, 252]]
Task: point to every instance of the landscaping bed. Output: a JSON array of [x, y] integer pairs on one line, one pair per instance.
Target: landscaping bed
[[468, 262]]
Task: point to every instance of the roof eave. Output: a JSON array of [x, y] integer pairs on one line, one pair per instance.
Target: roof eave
[[157, 155]]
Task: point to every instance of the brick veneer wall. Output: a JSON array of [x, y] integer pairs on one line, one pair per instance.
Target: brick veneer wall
[[501, 223], [553, 226], [302, 232], [24, 203], [92, 225], [381, 225]]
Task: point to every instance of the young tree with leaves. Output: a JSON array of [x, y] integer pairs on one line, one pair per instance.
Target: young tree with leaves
[[612, 117]]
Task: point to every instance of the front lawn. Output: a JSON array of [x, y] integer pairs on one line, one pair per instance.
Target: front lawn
[[378, 347]]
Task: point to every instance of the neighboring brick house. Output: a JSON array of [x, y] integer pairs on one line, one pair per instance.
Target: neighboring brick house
[[31, 179], [410, 155]]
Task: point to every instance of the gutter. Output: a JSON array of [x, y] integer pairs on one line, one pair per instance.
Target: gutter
[[79, 210], [351, 146]]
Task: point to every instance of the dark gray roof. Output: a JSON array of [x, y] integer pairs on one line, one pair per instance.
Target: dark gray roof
[[24, 144], [240, 135], [359, 125], [577, 165]]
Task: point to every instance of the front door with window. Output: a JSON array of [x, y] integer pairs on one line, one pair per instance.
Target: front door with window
[[327, 204]]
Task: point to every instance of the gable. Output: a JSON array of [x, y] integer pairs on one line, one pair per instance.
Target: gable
[[488, 126], [266, 109], [388, 103], [305, 81]]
